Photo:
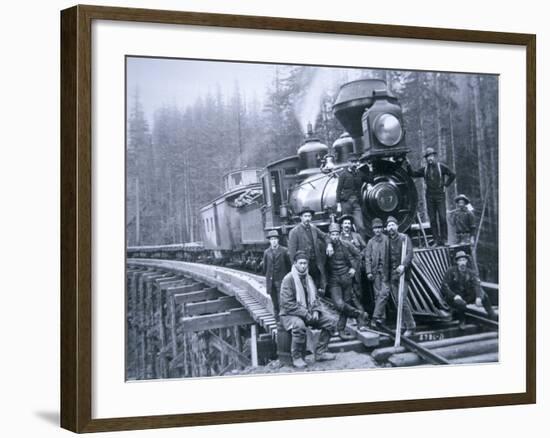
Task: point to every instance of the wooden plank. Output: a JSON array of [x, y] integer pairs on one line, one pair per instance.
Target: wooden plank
[[212, 306], [202, 295], [185, 289], [254, 345], [228, 349], [217, 320]]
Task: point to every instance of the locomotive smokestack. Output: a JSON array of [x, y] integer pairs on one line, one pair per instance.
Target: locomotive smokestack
[[309, 130]]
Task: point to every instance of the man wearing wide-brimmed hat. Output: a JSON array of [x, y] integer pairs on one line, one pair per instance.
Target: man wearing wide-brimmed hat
[[376, 257], [461, 286], [399, 265], [463, 220], [308, 238], [437, 176], [300, 308], [276, 264], [348, 192]]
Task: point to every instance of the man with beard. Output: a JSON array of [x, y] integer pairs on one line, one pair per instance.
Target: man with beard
[[300, 308], [276, 264], [343, 265], [348, 192], [376, 266], [461, 286], [437, 177], [308, 238], [398, 268], [463, 221]]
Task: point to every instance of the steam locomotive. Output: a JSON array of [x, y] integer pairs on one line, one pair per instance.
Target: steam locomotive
[[256, 200]]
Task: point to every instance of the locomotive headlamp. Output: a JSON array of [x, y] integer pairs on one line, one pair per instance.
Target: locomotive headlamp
[[387, 129]]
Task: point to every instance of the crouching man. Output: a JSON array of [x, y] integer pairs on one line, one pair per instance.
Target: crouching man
[[300, 308], [461, 286]]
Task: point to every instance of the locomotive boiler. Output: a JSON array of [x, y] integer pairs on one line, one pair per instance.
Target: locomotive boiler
[[372, 118]]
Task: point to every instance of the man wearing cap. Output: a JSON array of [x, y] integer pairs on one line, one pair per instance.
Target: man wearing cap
[[301, 308], [276, 264], [343, 264], [437, 176], [398, 267], [376, 257], [348, 192], [463, 220], [308, 238], [461, 286]]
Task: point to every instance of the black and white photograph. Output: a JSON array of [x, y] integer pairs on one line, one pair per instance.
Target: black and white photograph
[[300, 218]]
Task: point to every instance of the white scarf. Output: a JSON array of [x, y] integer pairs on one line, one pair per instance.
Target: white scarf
[[300, 293]]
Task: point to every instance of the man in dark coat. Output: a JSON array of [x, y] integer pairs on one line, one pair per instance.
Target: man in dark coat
[[463, 220], [308, 238], [376, 257], [343, 264], [348, 192], [276, 264], [348, 235], [461, 286], [437, 176], [398, 268], [301, 308]]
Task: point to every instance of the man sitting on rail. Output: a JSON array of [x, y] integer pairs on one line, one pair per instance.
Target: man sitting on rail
[[461, 286], [276, 264], [300, 307]]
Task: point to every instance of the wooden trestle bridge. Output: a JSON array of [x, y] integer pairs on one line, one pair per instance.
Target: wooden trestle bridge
[[191, 320]]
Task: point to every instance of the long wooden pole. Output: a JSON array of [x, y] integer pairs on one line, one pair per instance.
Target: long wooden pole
[[400, 296]]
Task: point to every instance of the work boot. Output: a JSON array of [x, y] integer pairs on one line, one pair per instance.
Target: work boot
[[345, 335], [299, 363], [409, 332], [321, 357], [362, 320]]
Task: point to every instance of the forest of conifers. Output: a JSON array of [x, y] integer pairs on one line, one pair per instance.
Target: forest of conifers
[[175, 162]]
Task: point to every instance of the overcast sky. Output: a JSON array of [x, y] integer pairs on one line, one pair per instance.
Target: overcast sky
[[179, 82]]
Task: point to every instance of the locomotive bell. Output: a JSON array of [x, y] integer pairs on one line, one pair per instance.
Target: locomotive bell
[[311, 153]]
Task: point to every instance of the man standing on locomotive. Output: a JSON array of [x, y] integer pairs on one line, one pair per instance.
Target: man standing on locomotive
[[437, 177], [376, 265], [398, 268], [300, 308], [463, 221], [461, 286], [343, 264], [348, 192], [308, 238], [276, 264]]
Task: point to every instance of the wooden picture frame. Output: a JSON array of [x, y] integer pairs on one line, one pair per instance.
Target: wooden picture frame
[[76, 217]]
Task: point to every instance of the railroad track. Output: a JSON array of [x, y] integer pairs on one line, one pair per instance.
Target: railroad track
[[177, 307]]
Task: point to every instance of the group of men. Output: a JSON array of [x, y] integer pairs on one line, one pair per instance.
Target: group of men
[[316, 263]]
